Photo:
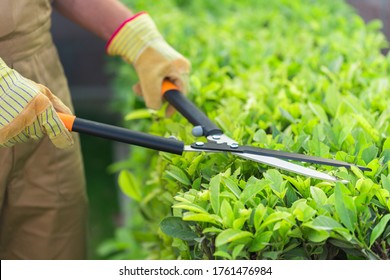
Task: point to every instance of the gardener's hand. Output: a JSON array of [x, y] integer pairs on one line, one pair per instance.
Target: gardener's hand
[[139, 42], [28, 111]]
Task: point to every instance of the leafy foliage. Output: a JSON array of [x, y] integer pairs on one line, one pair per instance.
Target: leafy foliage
[[302, 76]]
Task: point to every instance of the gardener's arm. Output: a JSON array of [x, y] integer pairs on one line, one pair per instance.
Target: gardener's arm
[[133, 37], [101, 17]]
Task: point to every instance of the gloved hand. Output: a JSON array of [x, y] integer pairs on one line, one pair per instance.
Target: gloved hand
[[28, 111], [138, 41]]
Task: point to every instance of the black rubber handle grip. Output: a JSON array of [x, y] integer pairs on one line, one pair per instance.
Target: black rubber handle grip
[[188, 109], [128, 136]]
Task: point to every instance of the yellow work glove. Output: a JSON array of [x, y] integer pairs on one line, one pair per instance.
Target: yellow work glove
[[139, 42], [28, 111]]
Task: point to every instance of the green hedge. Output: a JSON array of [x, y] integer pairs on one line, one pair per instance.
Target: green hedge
[[302, 76]]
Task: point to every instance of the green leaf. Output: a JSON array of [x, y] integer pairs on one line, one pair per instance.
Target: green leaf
[[302, 211], [139, 114], [232, 235], [315, 235], [273, 218], [190, 207], [318, 148], [374, 165], [325, 223], [237, 250], [319, 112], [129, 185], [345, 207], [260, 241], [318, 195], [345, 234], [260, 136], [232, 186], [382, 196], [179, 175], [259, 215], [276, 180], [194, 165], [332, 98], [369, 153], [197, 183], [364, 123], [206, 218], [319, 229], [287, 115], [343, 244], [385, 155], [385, 182], [239, 222], [379, 228], [386, 144], [358, 173], [215, 183], [176, 227], [227, 213], [223, 254], [212, 230], [253, 187]]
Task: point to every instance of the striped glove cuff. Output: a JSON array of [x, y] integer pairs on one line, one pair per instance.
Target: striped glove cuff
[[134, 35]]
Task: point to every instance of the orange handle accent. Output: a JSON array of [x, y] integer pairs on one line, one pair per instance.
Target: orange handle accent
[[168, 85], [68, 120]]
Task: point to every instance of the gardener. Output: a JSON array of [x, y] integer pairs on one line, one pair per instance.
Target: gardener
[[43, 202]]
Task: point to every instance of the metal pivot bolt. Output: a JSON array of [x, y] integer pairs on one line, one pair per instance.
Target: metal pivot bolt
[[199, 144], [234, 145]]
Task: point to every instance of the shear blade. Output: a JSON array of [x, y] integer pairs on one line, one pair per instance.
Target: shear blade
[[288, 166], [278, 163]]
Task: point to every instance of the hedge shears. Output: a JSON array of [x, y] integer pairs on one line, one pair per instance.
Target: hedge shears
[[217, 141]]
